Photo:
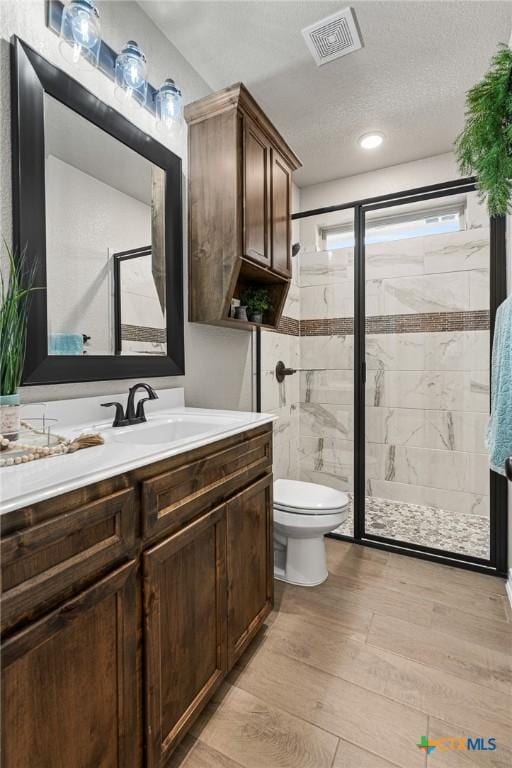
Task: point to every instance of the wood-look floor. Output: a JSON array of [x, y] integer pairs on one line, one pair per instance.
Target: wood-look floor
[[352, 673]]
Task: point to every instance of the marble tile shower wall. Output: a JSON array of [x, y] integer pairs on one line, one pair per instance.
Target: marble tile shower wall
[[427, 390], [326, 396], [283, 399]]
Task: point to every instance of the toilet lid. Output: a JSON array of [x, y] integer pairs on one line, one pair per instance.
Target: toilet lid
[[297, 496]]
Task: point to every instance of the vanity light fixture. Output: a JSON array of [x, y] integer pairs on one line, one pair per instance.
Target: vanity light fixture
[[371, 140], [80, 32], [169, 105], [77, 24], [130, 74]]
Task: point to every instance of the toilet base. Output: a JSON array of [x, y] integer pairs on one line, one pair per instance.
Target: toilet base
[[279, 576], [304, 562]]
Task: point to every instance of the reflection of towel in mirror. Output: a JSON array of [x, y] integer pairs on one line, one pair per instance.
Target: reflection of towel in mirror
[[499, 433], [65, 344]]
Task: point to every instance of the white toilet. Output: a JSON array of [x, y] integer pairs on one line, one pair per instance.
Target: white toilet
[[303, 514]]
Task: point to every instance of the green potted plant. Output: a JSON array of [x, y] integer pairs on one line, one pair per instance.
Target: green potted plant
[[15, 288], [257, 301], [484, 148]]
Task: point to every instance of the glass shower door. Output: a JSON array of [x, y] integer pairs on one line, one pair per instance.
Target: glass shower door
[[427, 338], [326, 407]]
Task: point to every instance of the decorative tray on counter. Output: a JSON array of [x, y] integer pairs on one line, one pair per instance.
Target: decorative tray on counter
[[35, 440]]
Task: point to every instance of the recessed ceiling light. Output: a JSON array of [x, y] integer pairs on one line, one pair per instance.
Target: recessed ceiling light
[[371, 140]]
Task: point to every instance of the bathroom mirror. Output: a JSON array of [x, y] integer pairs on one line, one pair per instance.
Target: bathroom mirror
[[98, 209], [96, 185]]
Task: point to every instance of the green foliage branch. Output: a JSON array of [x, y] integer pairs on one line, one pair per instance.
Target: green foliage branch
[[484, 148]]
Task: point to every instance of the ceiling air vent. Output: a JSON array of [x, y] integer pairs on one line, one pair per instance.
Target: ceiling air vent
[[333, 36]]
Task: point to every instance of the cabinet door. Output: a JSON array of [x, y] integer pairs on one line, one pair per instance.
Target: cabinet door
[[280, 215], [69, 687], [185, 629], [256, 194], [52, 559], [250, 564]]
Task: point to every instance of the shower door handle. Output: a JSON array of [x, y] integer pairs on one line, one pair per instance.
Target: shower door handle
[[363, 372]]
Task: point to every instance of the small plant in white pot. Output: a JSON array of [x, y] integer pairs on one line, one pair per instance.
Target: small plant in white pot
[[16, 284]]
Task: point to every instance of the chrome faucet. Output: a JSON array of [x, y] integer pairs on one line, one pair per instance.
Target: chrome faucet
[[132, 416]]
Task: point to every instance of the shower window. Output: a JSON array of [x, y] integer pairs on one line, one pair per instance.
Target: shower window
[[400, 226]]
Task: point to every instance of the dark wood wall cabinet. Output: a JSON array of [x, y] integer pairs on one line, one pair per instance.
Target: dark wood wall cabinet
[[240, 172], [126, 603]]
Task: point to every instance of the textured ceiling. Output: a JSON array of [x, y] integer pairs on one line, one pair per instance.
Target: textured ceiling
[[408, 81]]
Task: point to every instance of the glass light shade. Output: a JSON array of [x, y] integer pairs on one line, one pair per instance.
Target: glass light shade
[[130, 74], [371, 140], [169, 105], [80, 31]]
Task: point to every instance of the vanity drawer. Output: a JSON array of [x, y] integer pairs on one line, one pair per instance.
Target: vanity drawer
[[176, 496], [48, 561]]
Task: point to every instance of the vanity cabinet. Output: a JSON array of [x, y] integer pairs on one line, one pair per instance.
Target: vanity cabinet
[[184, 629], [250, 560], [69, 682], [240, 174], [54, 557], [129, 601]]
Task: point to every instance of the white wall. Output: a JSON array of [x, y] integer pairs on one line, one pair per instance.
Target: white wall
[[79, 270], [397, 178], [218, 361]]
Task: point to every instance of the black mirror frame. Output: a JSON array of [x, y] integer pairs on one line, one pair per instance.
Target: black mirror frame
[[31, 77]]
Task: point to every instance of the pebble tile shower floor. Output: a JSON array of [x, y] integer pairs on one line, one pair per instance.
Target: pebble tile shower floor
[[427, 526]]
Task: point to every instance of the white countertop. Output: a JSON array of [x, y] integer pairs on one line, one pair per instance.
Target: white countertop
[[36, 481]]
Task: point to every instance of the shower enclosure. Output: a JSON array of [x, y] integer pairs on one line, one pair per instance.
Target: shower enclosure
[[397, 300], [427, 350]]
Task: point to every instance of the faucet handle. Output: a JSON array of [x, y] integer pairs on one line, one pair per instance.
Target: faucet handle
[[139, 413], [282, 371], [152, 395], [119, 418]]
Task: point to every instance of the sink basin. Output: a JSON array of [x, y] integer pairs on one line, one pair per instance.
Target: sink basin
[[171, 430]]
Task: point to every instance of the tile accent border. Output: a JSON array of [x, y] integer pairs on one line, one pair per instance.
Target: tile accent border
[[143, 333], [333, 326], [429, 322], [425, 322], [288, 325]]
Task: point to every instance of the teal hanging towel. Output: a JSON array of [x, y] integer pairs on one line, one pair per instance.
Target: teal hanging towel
[[65, 344], [499, 433]]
